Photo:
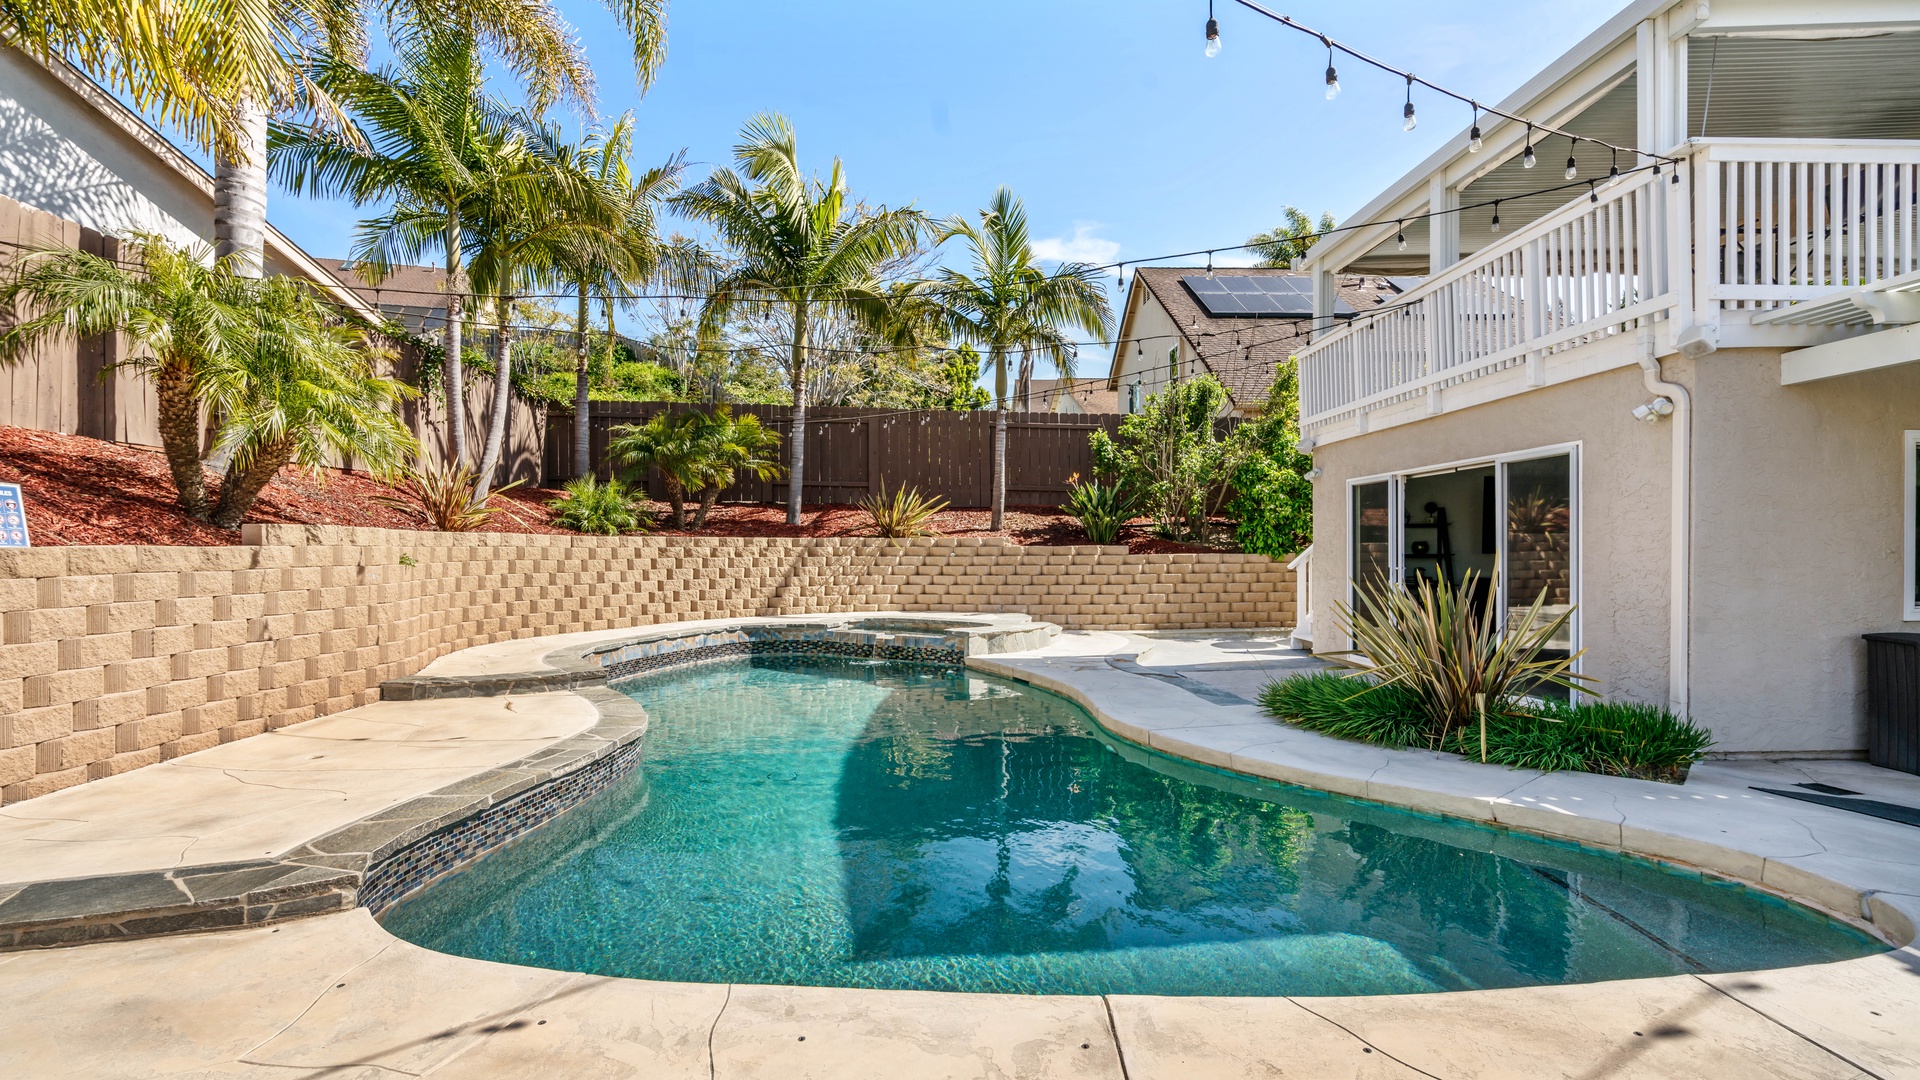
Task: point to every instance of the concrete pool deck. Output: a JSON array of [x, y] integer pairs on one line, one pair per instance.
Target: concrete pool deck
[[337, 996]]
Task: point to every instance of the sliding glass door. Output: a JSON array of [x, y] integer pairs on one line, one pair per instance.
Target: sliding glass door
[[1538, 558], [1375, 534], [1452, 522]]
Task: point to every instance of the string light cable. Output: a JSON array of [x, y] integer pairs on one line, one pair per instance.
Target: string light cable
[[1409, 119]]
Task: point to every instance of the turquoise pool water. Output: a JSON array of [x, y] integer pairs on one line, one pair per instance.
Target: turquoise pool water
[[836, 823]]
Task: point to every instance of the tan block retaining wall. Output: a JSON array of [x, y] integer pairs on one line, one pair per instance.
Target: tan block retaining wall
[[117, 657]]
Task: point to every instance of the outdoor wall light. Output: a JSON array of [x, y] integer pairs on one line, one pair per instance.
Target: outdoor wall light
[[1314, 473], [1654, 411]]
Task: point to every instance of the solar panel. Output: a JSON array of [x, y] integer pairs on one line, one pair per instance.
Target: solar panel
[[1225, 296]]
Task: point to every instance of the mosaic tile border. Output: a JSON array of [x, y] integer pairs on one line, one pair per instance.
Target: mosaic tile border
[[348, 867], [379, 860]]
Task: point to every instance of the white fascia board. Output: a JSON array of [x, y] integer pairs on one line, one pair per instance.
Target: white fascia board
[[1586, 58], [1792, 17], [1868, 352]]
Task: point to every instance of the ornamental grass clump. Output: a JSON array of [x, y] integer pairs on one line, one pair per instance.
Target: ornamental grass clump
[[447, 498], [904, 513], [590, 506], [1430, 641], [1101, 509], [1431, 673]]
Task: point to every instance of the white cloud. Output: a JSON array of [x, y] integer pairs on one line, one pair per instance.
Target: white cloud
[[1083, 246]]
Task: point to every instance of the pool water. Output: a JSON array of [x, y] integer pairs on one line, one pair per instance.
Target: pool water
[[817, 821]]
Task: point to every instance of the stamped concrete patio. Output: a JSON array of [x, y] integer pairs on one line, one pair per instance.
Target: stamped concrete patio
[[335, 995]]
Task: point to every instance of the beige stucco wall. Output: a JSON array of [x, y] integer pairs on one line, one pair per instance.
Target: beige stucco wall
[[1625, 492], [1797, 547], [113, 658]]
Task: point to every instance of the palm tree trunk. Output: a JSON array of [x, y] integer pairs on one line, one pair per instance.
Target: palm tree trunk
[[179, 421], [797, 432], [240, 195], [709, 496], [240, 488], [502, 399], [456, 379], [582, 446], [1024, 388], [676, 500], [999, 439]]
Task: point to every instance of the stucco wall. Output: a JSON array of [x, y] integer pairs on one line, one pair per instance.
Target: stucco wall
[[119, 657], [1143, 356], [1797, 546], [1624, 501]]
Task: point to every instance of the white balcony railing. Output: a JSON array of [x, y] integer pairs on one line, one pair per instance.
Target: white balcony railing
[[1770, 222], [1594, 267], [1792, 219]]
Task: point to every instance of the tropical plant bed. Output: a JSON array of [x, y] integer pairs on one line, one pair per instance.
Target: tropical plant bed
[[1612, 738], [88, 491]]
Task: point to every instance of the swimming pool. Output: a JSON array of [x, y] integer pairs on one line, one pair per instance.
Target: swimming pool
[[831, 822]]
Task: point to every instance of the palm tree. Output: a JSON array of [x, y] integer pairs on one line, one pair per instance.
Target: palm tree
[[731, 445], [428, 136], [263, 355], [297, 389], [1280, 246], [798, 245], [628, 254], [1008, 303]]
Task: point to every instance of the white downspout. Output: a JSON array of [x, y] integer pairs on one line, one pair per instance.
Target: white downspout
[[1679, 632]]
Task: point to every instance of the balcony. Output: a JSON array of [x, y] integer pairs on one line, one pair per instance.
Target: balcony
[[1753, 225]]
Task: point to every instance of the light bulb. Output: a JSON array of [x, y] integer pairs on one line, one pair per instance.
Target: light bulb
[[1527, 160], [1411, 121], [1474, 142], [1496, 219], [1593, 193], [1333, 83], [1613, 176], [1402, 241], [1573, 167], [1213, 37]]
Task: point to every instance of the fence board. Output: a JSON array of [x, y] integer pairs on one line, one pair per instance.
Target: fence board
[[852, 453]]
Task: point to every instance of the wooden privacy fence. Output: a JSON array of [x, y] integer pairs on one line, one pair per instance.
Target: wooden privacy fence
[[852, 453]]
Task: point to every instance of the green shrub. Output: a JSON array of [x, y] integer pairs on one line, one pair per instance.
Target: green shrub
[[1614, 738], [446, 497], [1617, 738], [1172, 458], [1101, 509], [1349, 707], [592, 507], [1272, 503]]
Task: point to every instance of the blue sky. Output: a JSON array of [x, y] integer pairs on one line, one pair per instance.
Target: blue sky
[[1124, 140]]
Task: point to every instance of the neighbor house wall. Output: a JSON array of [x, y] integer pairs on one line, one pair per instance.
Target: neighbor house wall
[[1798, 542], [119, 657], [1143, 355], [1624, 492]]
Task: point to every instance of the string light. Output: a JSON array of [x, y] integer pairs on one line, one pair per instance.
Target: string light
[[1411, 78], [1474, 142], [1209, 266], [1573, 167], [1213, 32], [1593, 193], [1496, 216], [1527, 160], [1409, 121], [1613, 173], [1333, 77], [1401, 235]]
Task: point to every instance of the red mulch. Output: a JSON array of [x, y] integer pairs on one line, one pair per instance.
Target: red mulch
[[85, 491]]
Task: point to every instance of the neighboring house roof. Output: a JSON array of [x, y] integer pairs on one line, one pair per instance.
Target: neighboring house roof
[[1243, 351], [415, 295], [1075, 396], [74, 161]]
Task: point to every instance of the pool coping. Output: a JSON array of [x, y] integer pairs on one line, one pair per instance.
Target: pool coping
[[1143, 707]]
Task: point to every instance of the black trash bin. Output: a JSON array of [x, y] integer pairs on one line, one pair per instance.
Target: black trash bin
[[1893, 701]]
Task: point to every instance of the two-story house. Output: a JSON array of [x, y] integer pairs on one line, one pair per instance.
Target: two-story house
[[1683, 402]]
